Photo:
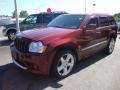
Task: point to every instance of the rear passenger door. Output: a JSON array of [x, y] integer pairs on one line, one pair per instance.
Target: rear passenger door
[[103, 30], [113, 26]]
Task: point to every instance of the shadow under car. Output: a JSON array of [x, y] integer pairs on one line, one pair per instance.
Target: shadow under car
[[12, 77]]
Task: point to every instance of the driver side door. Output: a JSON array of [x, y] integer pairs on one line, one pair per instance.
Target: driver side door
[[89, 38]]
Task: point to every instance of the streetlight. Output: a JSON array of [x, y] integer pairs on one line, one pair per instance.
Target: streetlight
[[16, 15], [94, 7]]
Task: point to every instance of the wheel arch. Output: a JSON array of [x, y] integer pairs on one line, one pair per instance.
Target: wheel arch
[[71, 47], [11, 29]]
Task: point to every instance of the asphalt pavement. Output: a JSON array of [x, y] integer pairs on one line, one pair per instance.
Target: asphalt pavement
[[98, 72]]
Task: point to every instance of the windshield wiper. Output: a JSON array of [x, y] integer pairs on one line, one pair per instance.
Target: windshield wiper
[[56, 26]]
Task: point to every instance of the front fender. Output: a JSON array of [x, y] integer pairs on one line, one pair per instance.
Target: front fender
[[68, 43], [64, 42]]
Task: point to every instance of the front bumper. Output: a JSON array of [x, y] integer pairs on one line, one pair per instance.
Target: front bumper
[[19, 65], [35, 63]]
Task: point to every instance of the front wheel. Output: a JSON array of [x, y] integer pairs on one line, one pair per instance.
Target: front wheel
[[11, 35], [110, 46], [64, 63]]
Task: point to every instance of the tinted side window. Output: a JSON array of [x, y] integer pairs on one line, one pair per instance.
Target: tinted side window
[[103, 21], [39, 19], [44, 18], [112, 21], [47, 18], [93, 21]]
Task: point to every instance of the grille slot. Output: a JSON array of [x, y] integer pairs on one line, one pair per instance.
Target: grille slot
[[22, 44]]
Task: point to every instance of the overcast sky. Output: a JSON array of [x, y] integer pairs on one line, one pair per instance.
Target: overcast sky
[[70, 6]]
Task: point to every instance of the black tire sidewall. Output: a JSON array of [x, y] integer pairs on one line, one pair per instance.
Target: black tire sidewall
[[9, 34]]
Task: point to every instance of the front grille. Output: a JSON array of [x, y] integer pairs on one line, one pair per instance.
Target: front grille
[[22, 44]]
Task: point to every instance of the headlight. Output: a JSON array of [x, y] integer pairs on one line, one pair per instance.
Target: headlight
[[36, 47]]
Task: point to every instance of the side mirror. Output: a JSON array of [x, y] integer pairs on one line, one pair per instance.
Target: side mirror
[[91, 26]]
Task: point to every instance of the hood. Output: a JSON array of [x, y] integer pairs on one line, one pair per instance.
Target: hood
[[11, 25], [47, 34]]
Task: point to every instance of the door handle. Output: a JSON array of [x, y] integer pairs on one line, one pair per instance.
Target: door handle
[[109, 29]]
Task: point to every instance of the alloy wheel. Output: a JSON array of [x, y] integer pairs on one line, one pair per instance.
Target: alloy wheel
[[65, 64], [12, 36]]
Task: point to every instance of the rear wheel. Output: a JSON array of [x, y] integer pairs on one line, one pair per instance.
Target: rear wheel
[[110, 46], [64, 63], [11, 35]]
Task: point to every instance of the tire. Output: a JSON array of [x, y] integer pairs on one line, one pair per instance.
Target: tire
[[63, 63], [110, 47], [11, 35]]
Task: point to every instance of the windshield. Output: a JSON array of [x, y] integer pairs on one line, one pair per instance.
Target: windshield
[[67, 21]]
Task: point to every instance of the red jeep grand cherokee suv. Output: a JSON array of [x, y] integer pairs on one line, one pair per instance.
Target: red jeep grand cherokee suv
[[67, 39]]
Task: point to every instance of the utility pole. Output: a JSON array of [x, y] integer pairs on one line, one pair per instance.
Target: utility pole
[[85, 6], [16, 15]]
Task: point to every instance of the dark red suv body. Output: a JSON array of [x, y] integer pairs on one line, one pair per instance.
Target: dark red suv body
[[67, 39]]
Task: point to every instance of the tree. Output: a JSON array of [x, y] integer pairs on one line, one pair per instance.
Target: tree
[[23, 14], [117, 16]]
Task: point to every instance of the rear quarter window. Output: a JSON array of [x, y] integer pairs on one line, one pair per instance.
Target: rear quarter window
[[103, 21], [112, 21], [93, 21], [44, 18]]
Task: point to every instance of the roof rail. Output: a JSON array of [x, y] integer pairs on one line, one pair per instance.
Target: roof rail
[[54, 12]]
